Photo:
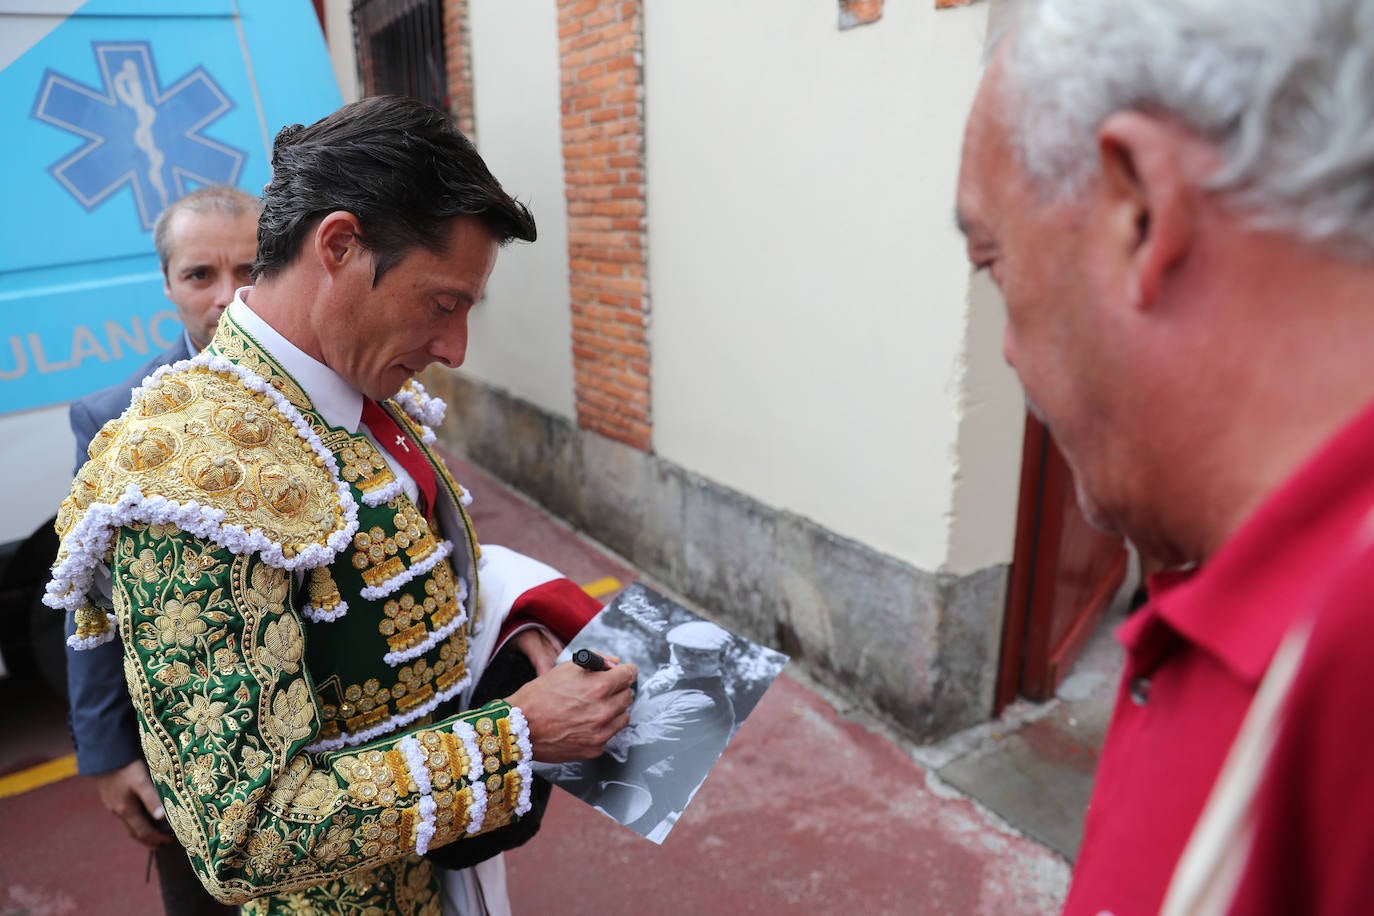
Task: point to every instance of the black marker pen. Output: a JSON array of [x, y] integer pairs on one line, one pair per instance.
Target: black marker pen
[[586, 658]]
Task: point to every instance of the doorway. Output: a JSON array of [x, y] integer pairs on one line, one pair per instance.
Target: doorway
[[1064, 574]]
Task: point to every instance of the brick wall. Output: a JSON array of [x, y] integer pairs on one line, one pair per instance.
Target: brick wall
[[600, 50], [458, 62]]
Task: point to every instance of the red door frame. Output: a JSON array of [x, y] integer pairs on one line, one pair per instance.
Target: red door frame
[[1063, 575]]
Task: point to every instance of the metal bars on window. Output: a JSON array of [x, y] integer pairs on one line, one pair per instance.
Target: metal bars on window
[[400, 47]]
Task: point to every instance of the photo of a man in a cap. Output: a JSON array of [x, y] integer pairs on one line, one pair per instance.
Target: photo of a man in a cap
[[698, 683], [679, 723]]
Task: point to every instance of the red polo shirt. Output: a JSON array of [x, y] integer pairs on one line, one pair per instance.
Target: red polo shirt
[[1195, 656]]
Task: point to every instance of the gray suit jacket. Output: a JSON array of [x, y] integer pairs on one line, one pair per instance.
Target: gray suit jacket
[[103, 725]]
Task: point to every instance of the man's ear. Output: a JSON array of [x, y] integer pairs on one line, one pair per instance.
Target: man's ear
[[1149, 182], [338, 241]]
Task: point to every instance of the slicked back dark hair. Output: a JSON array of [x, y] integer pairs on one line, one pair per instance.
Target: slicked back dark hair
[[398, 165]]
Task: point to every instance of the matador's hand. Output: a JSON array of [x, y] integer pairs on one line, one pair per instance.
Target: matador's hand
[[572, 712]]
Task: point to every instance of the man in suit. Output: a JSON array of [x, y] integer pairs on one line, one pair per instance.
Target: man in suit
[[205, 242]]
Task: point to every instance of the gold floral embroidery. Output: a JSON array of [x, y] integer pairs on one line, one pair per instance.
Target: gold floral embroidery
[[179, 623], [282, 646], [254, 761], [206, 717], [293, 713], [146, 567], [176, 674], [233, 823], [267, 589]]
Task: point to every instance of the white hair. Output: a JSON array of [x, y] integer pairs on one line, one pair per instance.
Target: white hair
[[1284, 90]]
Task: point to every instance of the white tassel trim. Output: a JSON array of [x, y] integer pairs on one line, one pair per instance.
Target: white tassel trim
[[424, 830], [419, 773], [420, 405], [329, 616], [82, 643], [523, 767], [477, 813], [464, 496], [349, 739], [415, 760], [466, 734], [383, 495], [89, 542], [436, 636], [374, 592]]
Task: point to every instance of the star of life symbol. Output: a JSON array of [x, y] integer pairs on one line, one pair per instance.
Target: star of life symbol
[[138, 132]]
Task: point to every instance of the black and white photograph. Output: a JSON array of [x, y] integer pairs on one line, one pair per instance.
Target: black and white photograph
[[697, 684]]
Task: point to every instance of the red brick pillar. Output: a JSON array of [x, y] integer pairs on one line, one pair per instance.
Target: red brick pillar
[[458, 62], [600, 50]]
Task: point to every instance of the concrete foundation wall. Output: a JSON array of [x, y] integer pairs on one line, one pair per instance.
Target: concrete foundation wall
[[919, 649]]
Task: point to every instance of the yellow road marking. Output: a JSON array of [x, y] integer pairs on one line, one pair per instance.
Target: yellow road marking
[[38, 776], [601, 587]]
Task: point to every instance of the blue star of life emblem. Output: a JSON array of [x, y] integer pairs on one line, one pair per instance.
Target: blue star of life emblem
[[137, 131]]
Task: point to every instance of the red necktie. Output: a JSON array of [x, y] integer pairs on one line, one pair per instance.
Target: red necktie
[[404, 450]]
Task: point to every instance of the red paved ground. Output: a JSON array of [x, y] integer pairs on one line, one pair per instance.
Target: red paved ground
[[805, 813]]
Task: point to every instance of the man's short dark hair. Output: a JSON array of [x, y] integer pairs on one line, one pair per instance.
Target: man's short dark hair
[[400, 166]]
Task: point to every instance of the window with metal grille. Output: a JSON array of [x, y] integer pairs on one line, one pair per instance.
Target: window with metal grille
[[401, 49]]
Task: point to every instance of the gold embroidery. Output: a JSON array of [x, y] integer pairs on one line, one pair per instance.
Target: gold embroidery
[[245, 426], [375, 778], [147, 449], [281, 647], [363, 466], [166, 395], [376, 551], [383, 571], [214, 474], [510, 750], [236, 344], [293, 713], [285, 491], [278, 486], [90, 621], [321, 590]]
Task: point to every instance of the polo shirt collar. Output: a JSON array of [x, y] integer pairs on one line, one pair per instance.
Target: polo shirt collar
[[336, 401], [1238, 605]]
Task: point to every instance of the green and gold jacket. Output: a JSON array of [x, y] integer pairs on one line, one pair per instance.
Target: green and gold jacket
[[295, 637]]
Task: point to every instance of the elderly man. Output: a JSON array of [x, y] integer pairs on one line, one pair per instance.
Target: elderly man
[[205, 242], [1175, 199], [294, 579]]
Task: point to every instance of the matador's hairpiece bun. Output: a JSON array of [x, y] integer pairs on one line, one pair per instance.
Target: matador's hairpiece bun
[[285, 137]]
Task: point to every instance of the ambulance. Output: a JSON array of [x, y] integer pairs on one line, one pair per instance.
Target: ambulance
[[110, 110]]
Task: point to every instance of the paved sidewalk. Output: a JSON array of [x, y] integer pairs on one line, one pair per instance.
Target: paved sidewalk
[[807, 812]]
